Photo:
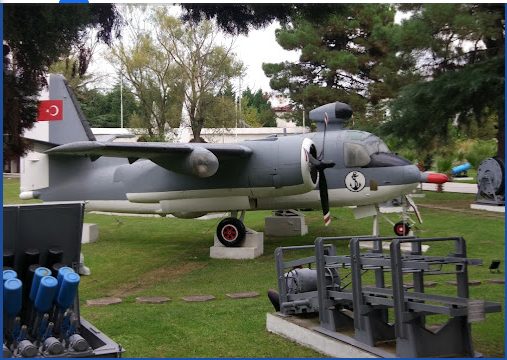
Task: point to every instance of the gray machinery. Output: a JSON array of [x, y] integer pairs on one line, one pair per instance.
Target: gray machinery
[[343, 302], [491, 181], [41, 249]]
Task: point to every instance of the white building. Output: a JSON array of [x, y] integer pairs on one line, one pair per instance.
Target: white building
[[211, 135], [281, 104]]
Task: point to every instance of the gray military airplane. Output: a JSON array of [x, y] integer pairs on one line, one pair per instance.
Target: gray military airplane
[[332, 167]]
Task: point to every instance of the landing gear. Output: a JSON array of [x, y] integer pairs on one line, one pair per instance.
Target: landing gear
[[231, 231], [401, 228], [235, 241]]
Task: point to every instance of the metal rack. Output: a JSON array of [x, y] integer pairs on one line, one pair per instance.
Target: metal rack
[[365, 308]]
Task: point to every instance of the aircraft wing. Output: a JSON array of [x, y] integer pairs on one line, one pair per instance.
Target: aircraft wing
[[199, 159]]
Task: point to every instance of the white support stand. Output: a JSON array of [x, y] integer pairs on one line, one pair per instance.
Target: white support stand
[[251, 248], [494, 208], [290, 223], [90, 233], [376, 226]]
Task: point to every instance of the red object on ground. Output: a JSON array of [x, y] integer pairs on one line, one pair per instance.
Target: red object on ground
[[435, 178]]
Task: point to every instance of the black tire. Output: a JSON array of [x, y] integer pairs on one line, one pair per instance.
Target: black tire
[[401, 228], [231, 232]]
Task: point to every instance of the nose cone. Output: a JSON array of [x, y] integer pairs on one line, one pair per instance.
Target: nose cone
[[434, 178]]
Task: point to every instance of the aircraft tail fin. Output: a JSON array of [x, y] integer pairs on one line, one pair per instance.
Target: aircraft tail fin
[[61, 120]]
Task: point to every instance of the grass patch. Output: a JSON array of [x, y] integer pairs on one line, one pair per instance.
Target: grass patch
[[138, 256]]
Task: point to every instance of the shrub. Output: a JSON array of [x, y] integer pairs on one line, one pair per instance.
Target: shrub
[[444, 164], [408, 154], [480, 151]]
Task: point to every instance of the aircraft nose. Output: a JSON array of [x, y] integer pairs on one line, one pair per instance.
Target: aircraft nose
[[411, 174], [434, 178]]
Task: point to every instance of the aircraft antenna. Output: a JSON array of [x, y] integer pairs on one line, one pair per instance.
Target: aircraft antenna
[[326, 120]]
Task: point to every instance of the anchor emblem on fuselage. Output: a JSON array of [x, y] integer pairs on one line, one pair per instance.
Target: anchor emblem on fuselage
[[355, 181]]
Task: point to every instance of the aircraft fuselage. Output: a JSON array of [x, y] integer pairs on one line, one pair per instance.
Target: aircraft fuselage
[[271, 179]]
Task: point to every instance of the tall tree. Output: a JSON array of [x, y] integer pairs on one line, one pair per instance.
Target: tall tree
[[459, 55], [343, 57], [35, 36], [153, 75], [171, 65], [206, 66]]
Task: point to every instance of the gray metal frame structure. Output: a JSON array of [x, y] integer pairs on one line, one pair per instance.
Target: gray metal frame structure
[[370, 304]]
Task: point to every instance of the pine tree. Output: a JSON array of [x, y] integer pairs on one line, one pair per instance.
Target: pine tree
[[458, 54], [343, 58]]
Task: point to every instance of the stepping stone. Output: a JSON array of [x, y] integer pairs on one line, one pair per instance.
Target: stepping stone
[[470, 282], [104, 301], [198, 298], [496, 281], [152, 300], [242, 295], [426, 283]]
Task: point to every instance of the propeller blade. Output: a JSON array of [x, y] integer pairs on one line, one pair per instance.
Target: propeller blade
[[324, 199], [321, 165]]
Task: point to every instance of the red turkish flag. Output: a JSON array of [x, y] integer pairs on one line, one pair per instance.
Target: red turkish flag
[[50, 110]]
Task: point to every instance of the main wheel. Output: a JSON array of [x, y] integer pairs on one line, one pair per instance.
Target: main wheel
[[401, 228], [231, 231]]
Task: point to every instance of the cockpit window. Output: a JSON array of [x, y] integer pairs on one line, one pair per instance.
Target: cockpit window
[[374, 145], [356, 155], [366, 151]]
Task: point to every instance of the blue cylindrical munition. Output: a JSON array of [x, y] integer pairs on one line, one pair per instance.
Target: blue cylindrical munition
[[68, 290], [45, 294], [61, 273], [13, 297], [37, 276], [460, 168], [9, 274]]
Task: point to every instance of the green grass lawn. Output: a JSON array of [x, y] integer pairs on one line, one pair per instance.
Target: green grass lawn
[[138, 256]]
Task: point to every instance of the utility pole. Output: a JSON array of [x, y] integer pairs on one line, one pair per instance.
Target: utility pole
[[239, 109], [304, 119], [121, 97]]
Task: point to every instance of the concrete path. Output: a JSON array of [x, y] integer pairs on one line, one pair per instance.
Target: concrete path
[[453, 187]]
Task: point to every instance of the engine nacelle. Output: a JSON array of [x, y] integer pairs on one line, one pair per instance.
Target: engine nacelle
[[200, 162], [282, 167]]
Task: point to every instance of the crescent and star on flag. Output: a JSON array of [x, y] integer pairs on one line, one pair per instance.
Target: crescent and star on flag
[[50, 110]]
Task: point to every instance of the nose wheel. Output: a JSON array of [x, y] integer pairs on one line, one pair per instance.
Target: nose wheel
[[401, 228], [231, 231]]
